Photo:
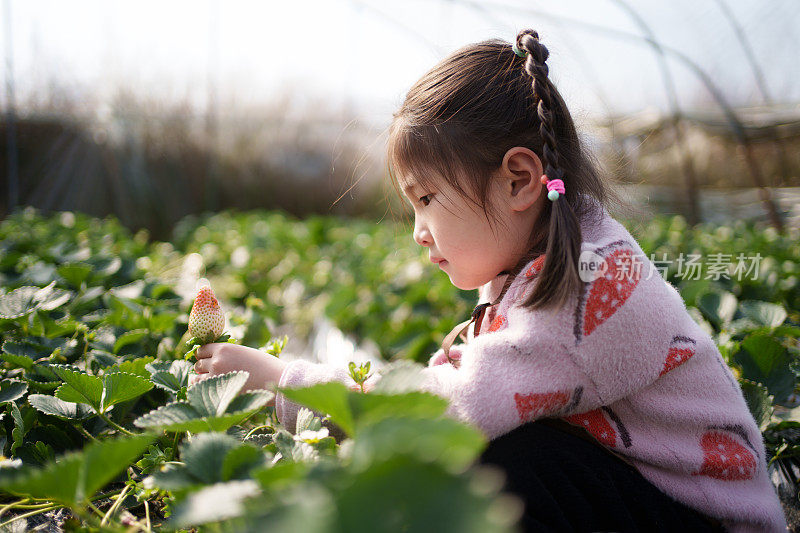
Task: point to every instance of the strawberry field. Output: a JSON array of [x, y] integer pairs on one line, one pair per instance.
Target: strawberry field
[[100, 430]]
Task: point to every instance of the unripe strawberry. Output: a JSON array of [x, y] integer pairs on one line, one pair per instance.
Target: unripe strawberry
[[206, 320]]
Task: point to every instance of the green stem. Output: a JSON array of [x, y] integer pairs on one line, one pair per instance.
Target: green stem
[[175, 446], [32, 506], [86, 433], [97, 511], [48, 508], [113, 509], [116, 426], [13, 505], [147, 515]]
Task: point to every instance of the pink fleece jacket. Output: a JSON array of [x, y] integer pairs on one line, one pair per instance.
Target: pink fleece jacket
[[623, 359]]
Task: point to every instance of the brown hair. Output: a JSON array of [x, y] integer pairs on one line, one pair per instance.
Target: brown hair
[[462, 117]]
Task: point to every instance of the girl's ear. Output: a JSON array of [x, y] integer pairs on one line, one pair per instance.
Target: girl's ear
[[521, 172]]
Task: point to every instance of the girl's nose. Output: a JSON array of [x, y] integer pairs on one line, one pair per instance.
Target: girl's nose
[[421, 235]]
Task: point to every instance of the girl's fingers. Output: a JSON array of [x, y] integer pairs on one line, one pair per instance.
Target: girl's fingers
[[195, 378], [204, 351], [198, 366]]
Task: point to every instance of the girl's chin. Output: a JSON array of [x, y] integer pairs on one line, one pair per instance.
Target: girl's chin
[[464, 285]]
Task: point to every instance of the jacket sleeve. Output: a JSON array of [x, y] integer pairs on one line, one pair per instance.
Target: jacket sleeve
[[539, 364], [301, 373]]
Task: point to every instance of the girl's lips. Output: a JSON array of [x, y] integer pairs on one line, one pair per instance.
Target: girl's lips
[[442, 263]]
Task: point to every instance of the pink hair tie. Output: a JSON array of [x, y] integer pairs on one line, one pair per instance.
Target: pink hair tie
[[554, 188]]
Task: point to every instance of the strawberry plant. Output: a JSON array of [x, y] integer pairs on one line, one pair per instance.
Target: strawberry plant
[[101, 429]]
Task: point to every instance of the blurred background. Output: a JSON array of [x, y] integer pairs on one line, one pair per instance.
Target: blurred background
[[154, 110], [147, 144]]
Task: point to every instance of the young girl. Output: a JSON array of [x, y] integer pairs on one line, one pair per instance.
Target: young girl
[[608, 407]]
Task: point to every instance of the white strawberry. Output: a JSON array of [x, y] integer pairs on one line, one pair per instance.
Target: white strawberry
[[206, 320]]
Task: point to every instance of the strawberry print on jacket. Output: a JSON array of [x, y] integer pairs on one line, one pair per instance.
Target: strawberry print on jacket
[[600, 424], [724, 457], [624, 359], [680, 349]]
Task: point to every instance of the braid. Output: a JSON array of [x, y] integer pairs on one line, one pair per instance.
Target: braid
[[536, 67], [560, 270]]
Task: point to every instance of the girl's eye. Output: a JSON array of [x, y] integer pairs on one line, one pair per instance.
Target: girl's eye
[[426, 199]]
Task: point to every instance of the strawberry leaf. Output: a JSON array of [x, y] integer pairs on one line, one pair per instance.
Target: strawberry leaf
[[11, 389], [211, 396], [79, 387], [170, 376], [212, 405], [75, 477], [120, 387], [50, 405]]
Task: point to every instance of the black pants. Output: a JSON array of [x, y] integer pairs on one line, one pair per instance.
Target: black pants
[[571, 484]]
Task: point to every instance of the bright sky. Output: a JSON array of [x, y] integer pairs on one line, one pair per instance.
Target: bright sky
[[369, 53]]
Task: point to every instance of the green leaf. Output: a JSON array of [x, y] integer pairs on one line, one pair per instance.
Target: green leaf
[[23, 353], [349, 409], [691, 289], [718, 306], [11, 389], [213, 503], [75, 477], [79, 387], [136, 366], [765, 360], [35, 324], [120, 387], [209, 458], [22, 301], [170, 376], [129, 337], [240, 461], [758, 401], [175, 416], [446, 441], [204, 455], [280, 475], [75, 273], [306, 421], [787, 331], [392, 494], [764, 313], [211, 396], [50, 405], [100, 393], [103, 358], [250, 401], [375, 406], [328, 398], [20, 426], [399, 376], [305, 506], [53, 299], [41, 386], [182, 416]]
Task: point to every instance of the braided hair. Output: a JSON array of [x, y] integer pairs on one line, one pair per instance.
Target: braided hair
[[559, 275], [458, 121]]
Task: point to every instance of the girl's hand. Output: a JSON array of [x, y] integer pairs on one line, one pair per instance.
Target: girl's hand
[[221, 357]]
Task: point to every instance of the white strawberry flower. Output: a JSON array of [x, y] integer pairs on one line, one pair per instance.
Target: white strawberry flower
[[311, 436]]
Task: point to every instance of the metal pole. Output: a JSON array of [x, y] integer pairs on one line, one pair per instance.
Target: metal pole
[[11, 117], [684, 157], [731, 117], [758, 75], [210, 187]]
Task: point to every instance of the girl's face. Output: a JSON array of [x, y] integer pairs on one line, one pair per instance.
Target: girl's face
[[460, 238]]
